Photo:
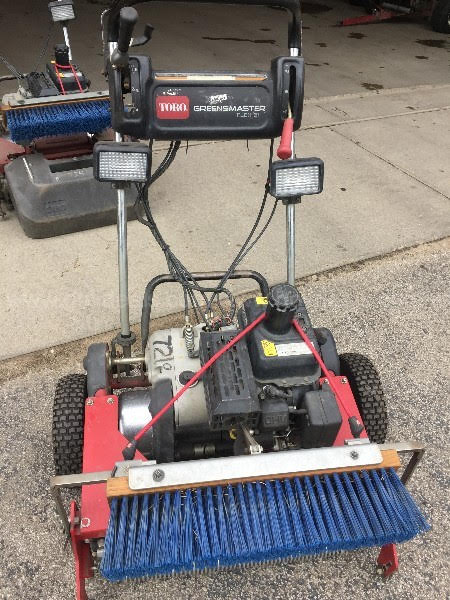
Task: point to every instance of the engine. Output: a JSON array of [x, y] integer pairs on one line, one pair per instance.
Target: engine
[[264, 391]]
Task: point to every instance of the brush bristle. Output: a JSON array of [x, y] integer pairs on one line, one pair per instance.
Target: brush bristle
[[184, 531], [60, 119]]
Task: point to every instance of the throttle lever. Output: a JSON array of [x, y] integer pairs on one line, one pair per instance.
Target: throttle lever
[[143, 39], [128, 17], [284, 150]]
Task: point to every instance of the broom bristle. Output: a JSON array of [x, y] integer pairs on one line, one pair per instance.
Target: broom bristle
[[184, 531], [58, 119]]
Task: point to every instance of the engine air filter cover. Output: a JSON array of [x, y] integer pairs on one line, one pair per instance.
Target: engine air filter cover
[[231, 394]]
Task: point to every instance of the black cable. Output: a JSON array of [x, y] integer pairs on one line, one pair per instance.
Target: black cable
[[261, 233], [176, 267], [242, 252], [44, 47], [17, 74]]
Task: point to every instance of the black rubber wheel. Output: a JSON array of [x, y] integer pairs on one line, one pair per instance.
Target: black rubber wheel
[[368, 392], [440, 17], [68, 424]]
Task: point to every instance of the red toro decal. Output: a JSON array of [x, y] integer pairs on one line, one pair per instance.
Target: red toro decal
[[172, 107]]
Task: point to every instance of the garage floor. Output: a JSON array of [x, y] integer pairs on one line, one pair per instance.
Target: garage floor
[[376, 112]]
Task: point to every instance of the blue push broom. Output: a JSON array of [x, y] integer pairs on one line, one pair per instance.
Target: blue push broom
[[217, 513], [57, 102], [32, 120]]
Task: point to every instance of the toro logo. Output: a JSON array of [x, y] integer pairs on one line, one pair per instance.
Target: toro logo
[[172, 107]]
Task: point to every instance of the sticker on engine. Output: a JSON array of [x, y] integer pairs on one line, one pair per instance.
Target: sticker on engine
[[292, 349], [269, 348], [261, 300]]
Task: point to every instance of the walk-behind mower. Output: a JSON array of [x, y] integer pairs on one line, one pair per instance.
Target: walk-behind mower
[[241, 437], [50, 125]]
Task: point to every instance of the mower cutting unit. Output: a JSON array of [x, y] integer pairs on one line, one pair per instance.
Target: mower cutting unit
[[242, 437]]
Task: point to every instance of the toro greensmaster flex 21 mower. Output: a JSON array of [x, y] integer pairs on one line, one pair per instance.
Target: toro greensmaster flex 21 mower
[[241, 437]]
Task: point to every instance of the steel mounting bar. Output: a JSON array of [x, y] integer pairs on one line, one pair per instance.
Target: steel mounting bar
[[264, 465], [290, 215], [122, 249]]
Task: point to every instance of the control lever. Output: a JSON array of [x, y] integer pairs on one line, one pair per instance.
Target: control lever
[[127, 20], [356, 427], [284, 150], [143, 39]]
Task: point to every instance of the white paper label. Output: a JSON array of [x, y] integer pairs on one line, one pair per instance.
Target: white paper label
[[293, 349]]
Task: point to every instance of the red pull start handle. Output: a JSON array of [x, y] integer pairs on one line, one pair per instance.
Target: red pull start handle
[[285, 148]]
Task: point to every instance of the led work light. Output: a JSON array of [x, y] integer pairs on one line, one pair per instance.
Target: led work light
[[121, 161], [296, 177], [61, 10]]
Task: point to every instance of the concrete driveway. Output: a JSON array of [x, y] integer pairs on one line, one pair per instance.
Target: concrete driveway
[[376, 112]]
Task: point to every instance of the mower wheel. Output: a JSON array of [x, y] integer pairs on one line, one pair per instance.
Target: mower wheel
[[368, 392], [68, 424], [440, 17]]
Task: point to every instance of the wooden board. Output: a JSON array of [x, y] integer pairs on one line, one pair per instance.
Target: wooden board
[[118, 486]]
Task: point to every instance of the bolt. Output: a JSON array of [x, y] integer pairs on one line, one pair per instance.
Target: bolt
[[325, 380], [344, 380], [110, 400], [354, 454], [85, 522], [90, 401], [158, 475]]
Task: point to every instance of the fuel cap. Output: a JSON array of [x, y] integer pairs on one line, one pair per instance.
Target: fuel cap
[[282, 305]]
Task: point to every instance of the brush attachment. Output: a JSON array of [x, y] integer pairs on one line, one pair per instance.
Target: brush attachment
[[165, 533], [67, 118]]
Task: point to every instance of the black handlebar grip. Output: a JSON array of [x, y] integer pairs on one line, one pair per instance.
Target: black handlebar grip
[[127, 20]]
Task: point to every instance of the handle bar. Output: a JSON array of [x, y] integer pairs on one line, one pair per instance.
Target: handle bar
[[292, 5], [111, 16], [128, 19]]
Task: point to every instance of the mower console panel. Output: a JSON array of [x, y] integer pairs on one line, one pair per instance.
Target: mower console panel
[[199, 106]]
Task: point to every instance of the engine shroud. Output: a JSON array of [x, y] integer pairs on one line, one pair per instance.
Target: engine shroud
[[280, 358], [276, 395]]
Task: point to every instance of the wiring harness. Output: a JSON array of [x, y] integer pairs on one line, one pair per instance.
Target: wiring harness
[[193, 291]]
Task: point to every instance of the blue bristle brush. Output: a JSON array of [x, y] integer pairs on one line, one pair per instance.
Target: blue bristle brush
[[90, 116], [236, 524]]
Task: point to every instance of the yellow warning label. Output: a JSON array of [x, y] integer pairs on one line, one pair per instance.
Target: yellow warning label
[[269, 348], [261, 300]]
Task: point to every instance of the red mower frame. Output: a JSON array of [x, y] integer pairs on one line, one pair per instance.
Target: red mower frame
[[103, 445]]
